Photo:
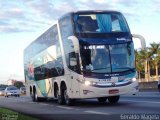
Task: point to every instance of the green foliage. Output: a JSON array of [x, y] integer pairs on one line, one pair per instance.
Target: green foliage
[[151, 55], [3, 86], [7, 114], [18, 84]]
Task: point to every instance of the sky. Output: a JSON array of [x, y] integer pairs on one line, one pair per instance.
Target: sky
[[22, 21]]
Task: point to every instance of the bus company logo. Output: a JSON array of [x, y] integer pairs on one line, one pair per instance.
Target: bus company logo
[[121, 39]]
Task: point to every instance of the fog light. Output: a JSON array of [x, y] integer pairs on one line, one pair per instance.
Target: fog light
[[87, 83], [85, 91]]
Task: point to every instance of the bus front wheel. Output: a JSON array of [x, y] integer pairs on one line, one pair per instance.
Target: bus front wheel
[[113, 99], [102, 99], [159, 87], [68, 100]]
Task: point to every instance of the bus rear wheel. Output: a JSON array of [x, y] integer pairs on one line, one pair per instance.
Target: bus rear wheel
[[102, 99], [35, 97], [113, 99], [60, 97]]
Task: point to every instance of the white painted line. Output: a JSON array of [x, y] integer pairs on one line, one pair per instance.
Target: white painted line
[[69, 108], [96, 112], [142, 101]]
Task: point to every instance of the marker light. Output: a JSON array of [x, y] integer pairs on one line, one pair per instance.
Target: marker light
[[87, 83]]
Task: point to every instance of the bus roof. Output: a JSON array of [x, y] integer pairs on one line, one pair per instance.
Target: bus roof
[[96, 11], [90, 12]]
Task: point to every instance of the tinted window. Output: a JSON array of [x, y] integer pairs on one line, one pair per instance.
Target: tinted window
[[66, 27], [108, 58], [49, 63], [12, 88], [46, 40], [100, 23], [66, 31]]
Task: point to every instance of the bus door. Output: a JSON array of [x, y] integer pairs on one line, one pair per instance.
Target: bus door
[[74, 72], [74, 85]]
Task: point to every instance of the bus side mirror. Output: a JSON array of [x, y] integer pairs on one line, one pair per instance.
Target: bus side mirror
[[73, 62], [75, 43], [142, 40]]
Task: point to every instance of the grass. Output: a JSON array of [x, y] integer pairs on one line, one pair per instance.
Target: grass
[[6, 114]]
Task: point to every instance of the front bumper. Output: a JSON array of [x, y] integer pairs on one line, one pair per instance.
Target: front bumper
[[105, 91]]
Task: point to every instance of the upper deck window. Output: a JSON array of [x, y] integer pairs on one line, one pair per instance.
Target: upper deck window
[[100, 23]]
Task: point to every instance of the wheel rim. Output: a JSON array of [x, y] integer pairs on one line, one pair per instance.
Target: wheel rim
[[66, 97], [36, 96]]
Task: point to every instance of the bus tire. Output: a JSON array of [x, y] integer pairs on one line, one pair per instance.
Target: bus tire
[[113, 99], [102, 99], [68, 101], [61, 98], [159, 87], [35, 96]]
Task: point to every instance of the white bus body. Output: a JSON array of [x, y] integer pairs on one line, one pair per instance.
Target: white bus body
[[69, 62]]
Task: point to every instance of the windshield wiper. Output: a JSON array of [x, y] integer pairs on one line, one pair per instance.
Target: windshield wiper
[[127, 68], [100, 68], [91, 70]]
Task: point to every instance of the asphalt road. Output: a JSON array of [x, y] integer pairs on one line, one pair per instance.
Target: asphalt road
[[144, 105]]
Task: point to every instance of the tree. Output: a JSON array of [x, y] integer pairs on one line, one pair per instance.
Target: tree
[[145, 58], [148, 58], [3, 86], [18, 84], [155, 51], [139, 64]]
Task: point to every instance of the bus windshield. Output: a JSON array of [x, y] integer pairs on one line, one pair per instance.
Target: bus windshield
[[108, 58], [100, 23]]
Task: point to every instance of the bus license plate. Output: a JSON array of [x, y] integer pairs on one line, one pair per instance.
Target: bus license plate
[[114, 91]]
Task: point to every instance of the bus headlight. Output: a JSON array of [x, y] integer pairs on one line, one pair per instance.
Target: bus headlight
[[134, 79], [90, 83], [87, 83]]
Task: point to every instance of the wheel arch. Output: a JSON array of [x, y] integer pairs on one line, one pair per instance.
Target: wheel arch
[[63, 85]]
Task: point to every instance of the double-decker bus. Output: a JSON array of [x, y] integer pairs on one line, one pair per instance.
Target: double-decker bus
[[85, 54]]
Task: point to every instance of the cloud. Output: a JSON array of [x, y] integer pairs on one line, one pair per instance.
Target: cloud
[[28, 15], [127, 3], [18, 17], [155, 6]]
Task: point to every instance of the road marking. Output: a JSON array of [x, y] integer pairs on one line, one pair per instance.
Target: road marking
[[69, 108], [17, 99], [96, 112], [141, 101]]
